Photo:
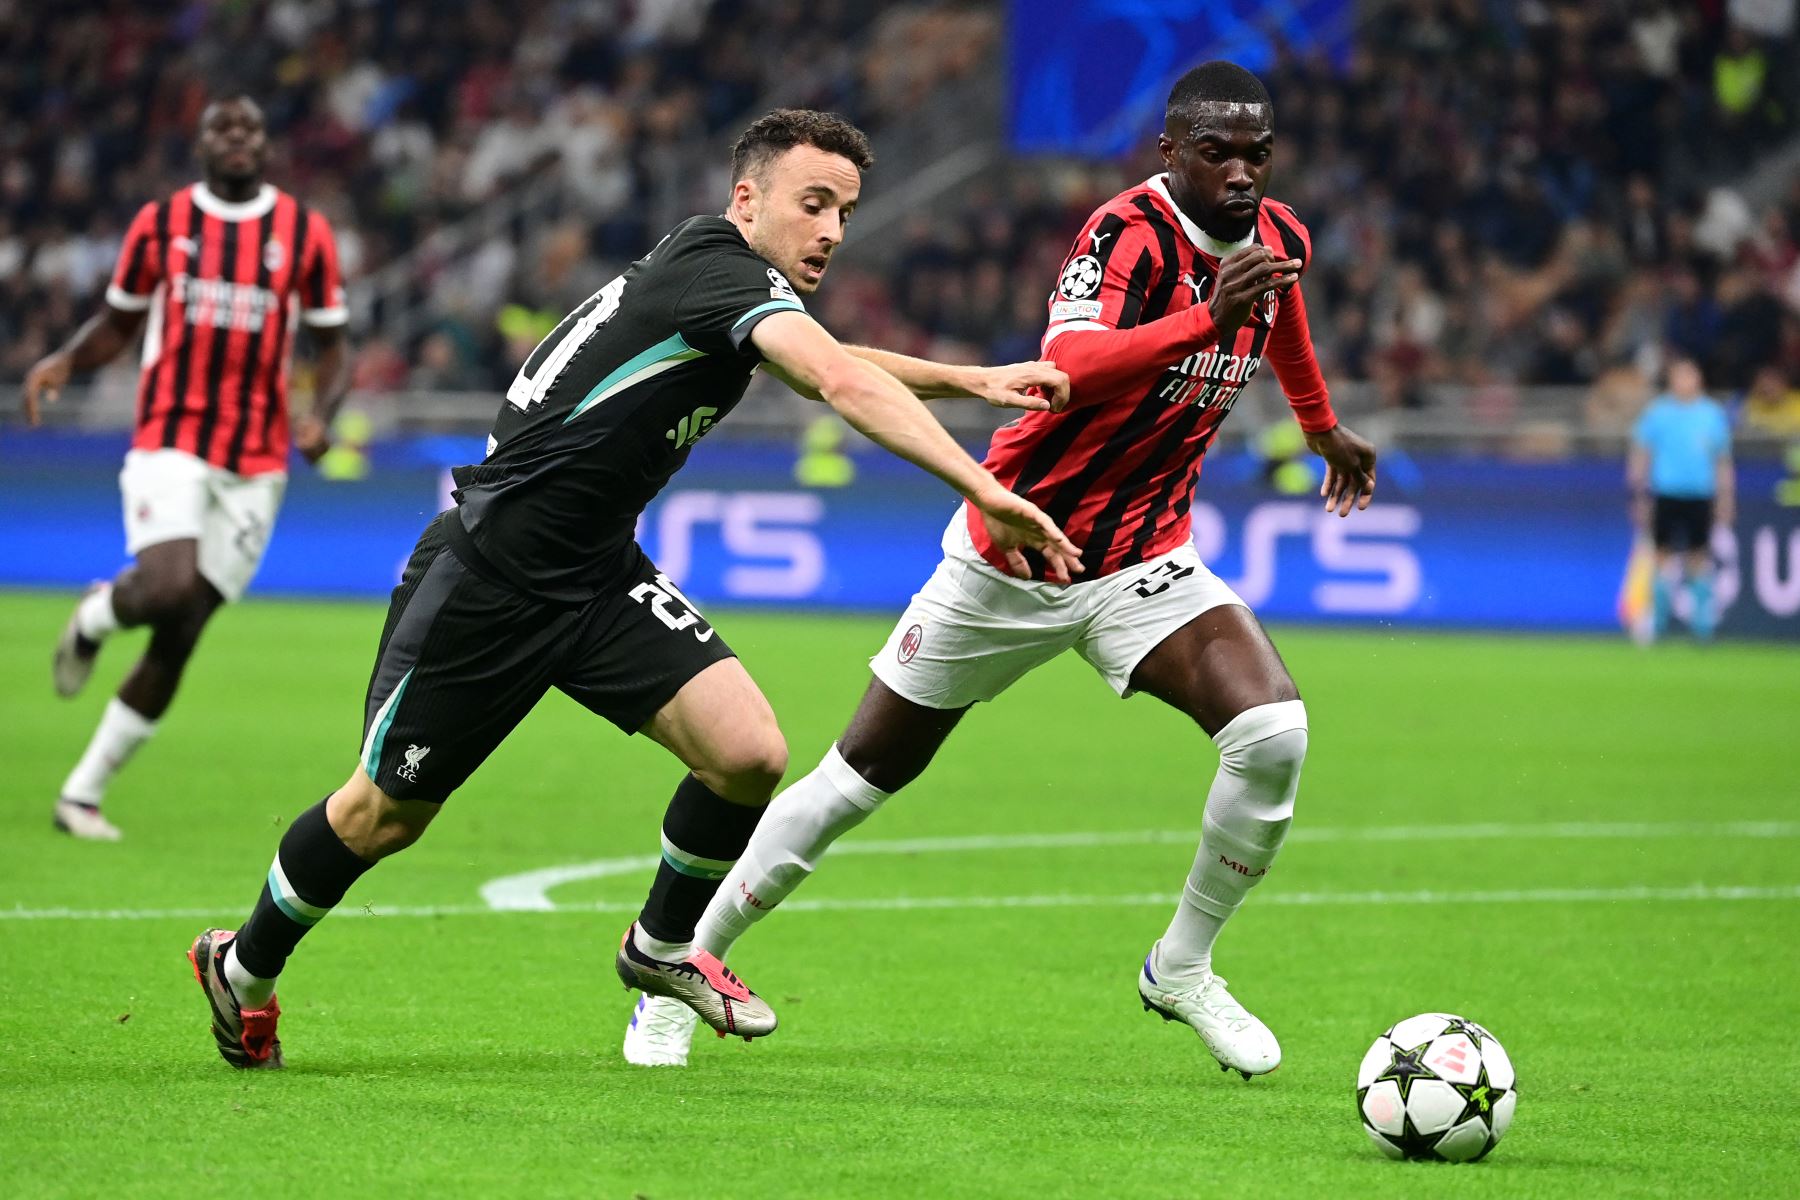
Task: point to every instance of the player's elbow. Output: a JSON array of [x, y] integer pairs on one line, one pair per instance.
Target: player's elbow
[[850, 386], [122, 323], [1086, 359]]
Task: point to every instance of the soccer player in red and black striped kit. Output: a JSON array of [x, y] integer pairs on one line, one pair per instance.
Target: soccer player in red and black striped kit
[[221, 269], [1174, 294]]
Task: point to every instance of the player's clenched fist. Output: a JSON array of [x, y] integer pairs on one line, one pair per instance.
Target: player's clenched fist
[[1243, 278]]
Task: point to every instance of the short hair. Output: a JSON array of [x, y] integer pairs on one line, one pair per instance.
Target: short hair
[[231, 95], [1217, 81], [777, 132]]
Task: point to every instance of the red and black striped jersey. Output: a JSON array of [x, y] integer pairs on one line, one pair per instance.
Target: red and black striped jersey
[[223, 284], [1149, 382]]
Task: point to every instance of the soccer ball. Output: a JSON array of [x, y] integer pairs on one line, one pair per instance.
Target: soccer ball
[[1436, 1086]]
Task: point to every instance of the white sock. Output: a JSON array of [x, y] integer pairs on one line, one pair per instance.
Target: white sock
[[94, 616], [122, 730], [657, 948], [799, 827], [253, 991], [1248, 811]]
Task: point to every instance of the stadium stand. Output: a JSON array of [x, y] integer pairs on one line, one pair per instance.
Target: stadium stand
[[1535, 194]]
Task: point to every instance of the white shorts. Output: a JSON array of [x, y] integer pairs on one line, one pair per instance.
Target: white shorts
[[171, 495], [972, 632]]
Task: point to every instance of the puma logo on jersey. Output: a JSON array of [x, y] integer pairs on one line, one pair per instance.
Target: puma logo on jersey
[[691, 429], [1097, 237]]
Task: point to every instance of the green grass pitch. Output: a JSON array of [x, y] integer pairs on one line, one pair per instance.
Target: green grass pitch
[[1590, 848]]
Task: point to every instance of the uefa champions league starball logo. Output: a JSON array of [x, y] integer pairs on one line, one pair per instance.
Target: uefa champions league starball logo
[[1081, 278]]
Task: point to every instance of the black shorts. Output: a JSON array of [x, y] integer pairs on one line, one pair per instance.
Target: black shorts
[[1682, 523], [465, 656]]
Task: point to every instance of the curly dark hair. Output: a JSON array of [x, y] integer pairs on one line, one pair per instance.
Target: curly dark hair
[[774, 133]]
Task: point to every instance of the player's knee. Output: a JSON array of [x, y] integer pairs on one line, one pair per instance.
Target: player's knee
[[750, 771], [1280, 755], [176, 598], [1268, 743]]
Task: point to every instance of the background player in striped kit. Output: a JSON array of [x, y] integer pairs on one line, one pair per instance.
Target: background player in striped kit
[[1172, 296], [219, 268]]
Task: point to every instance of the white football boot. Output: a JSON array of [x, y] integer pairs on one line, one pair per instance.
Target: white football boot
[[74, 659], [701, 982], [660, 1033], [83, 821], [1232, 1033]]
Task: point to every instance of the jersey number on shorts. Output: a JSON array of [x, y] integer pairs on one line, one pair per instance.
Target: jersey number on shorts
[[671, 607], [534, 380], [1150, 585]]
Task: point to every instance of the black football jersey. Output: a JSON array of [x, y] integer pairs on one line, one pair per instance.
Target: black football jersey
[[607, 407]]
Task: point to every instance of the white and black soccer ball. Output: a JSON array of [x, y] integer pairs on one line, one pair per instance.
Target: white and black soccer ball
[[1436, 1086]]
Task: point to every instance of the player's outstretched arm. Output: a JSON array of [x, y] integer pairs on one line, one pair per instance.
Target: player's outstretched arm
[[799, 350], [1034, 386], [95, 344]]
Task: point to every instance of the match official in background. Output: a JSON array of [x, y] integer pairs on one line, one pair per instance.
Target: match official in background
[[1682, 486]]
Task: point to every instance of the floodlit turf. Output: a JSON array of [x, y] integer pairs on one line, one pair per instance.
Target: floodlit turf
[[963, 1050]]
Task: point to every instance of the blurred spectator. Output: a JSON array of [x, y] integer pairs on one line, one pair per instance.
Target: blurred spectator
[[1771, 406], [413, 116], [1539, 203], [441, 366]]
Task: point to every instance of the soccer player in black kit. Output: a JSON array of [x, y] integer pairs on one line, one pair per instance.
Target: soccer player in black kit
[[533, 580]]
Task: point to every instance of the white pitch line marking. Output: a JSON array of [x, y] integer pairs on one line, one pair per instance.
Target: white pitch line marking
[[1614, 895], [530, 891]]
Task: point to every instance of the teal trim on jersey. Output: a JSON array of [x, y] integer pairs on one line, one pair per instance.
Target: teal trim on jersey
[[384, 720], [670, 352], [770, 306]]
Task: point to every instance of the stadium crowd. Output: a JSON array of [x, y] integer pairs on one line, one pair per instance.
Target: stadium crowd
[[1538, 201], [1498, 193], [397, 119]]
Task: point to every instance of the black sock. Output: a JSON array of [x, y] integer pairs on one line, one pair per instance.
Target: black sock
[[703, 834], [317, 869]]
